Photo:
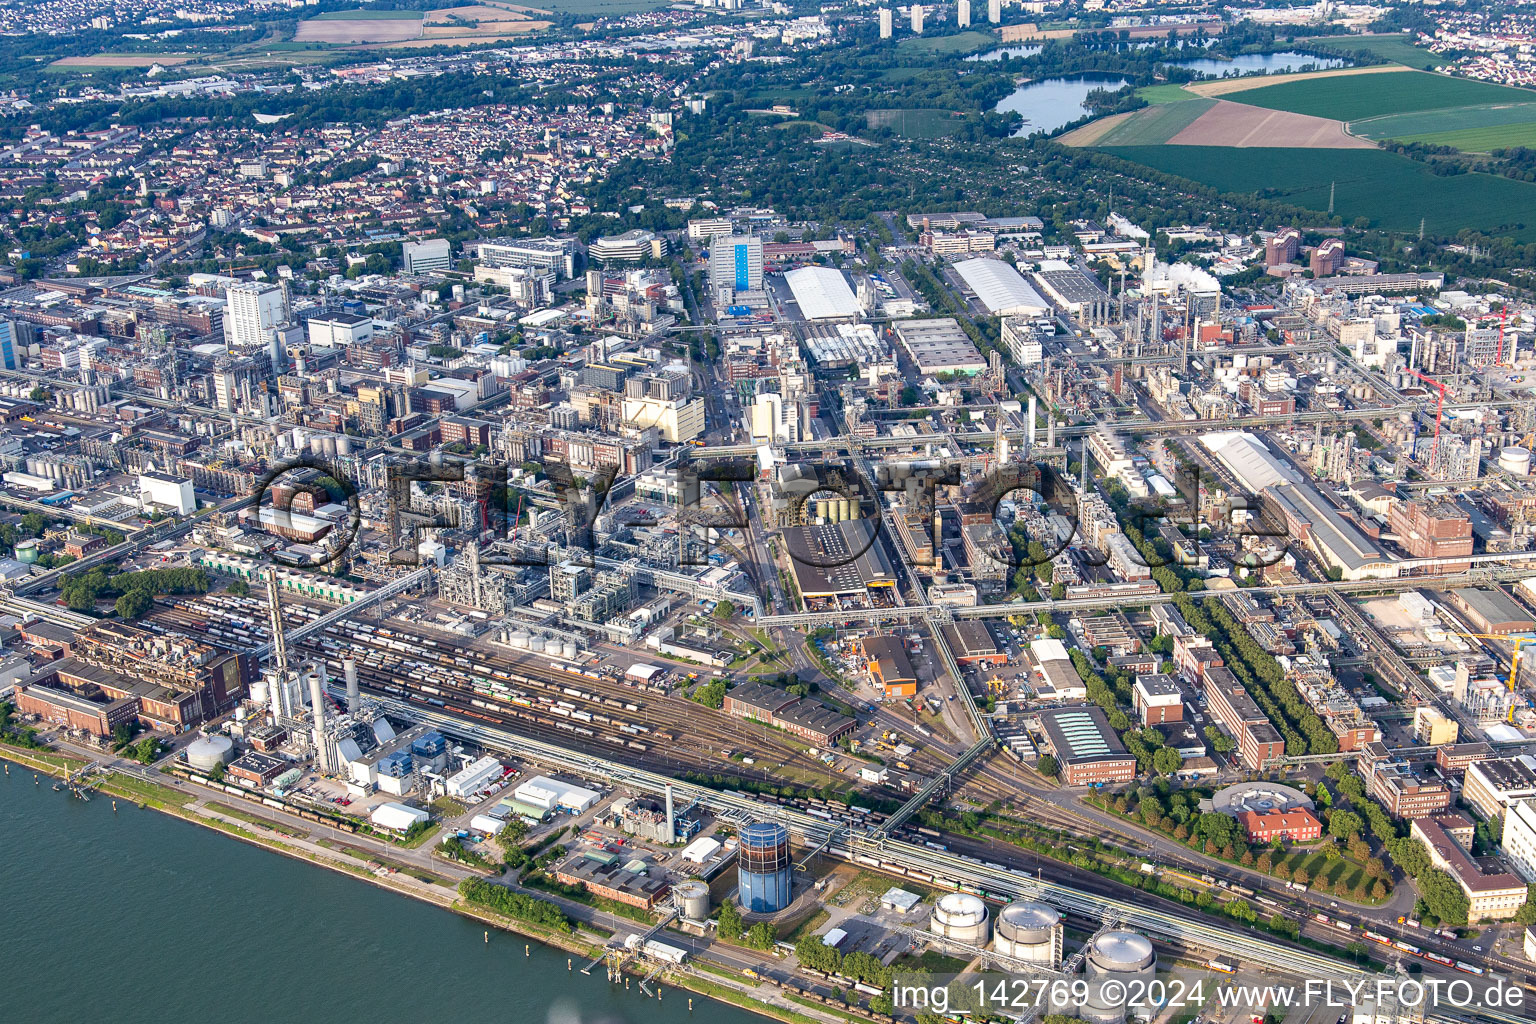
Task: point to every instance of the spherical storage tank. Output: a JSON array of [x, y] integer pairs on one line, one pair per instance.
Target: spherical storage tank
[[1515, 460], [962, 917], [693, 897], [763, 867], [1120, 957], [1029, 931], [208, 752]]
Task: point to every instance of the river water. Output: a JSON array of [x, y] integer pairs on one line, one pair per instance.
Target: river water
[[140, 917]]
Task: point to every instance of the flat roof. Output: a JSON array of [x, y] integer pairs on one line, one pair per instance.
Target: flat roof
[[939, 345], [822, 293], [1081, 734], [837, 558]]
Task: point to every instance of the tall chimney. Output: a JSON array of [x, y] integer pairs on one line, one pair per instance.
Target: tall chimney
[[671, 821], [349, 666], [317, 708]]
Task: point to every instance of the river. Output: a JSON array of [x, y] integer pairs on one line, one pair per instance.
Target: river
[[141, 917]]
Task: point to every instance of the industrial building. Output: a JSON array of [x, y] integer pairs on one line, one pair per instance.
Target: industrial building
[[973, 644], [1001, 288], [939, 346], [1085, 747], [1519, 843], [736, 271], [822, 293], [1492, 611], [552, 794], [97, 715], [1159, 700], [839, 560], [1029, 931], [601, 874], [156, 491], [764, 871], [885, 658], [1491, 786]]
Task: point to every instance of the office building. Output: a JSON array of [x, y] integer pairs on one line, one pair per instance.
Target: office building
[[1328, 258], [702, 229], [1158, 699], [431, 256], [736, 270], [1519, 842], [1491, 894], [635, 246], [338, 330], [251, 310], [10, 358], [545, 255], [1258, 741], [1284, 247], [1491, 786], [995, 11], [1086, 749]]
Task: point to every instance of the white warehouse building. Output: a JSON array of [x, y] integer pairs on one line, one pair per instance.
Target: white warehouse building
[[167, 491], [473, 778], [822, 293], [542, 791], [1001, 288]]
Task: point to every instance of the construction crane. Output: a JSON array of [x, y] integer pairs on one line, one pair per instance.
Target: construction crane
[[1514, 658], [1439, 413]]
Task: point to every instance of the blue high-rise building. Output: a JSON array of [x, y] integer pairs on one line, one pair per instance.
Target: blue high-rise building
[[735, 268], [9, 359], [764, 873]]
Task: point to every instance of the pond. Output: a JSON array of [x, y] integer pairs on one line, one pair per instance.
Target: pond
[[1006, 51], [1258, 64], [1050, 103]]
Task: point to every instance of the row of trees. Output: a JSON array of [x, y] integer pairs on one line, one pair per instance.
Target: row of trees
[[516, 905], [136, 590]]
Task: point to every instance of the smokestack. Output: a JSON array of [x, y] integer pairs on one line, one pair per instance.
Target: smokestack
[[671, 826], [317, 708], [1050, 430], [1029, 424], [349, 666]]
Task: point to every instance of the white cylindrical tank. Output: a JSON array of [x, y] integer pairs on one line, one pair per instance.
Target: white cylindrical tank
[[343, 445], [962, 917], [316, 445], [693, 895], [328, 445], [207, 752], [1120, 957], [537, 643], [1029, 931], [259, 691], [568, 650], [520, 639], [1515, 460]]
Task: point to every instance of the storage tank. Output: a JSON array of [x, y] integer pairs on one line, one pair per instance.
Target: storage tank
[[1515, 460], [693, 897], [26, 551], [824, 510], [847, 509], [537, 643], [208, 752], [328, 446], [1029, 931], [343, 445], [962, 917], [520, 639], [763, 869], [1115, 956], [568, 650]]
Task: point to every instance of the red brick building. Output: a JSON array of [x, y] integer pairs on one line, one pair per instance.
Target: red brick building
[[1432, 529], [1298, 826]]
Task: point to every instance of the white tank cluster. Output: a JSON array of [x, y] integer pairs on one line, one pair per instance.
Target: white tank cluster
[[555, 647], [962, 917], [1029, 931], [1115, 956]]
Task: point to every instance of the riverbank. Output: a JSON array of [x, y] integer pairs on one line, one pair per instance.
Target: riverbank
[[202, 808]]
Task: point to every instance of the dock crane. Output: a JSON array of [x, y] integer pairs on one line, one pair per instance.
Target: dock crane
[[1514, 658], [1439, 413]]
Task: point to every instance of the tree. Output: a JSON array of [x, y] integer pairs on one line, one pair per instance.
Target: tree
[[1048, 766], [1344, 824], [761, 936], [724, 610], [1526, 915], [1166, 761], [133, 605], [240, 588], [729, 924], [1443, 896]]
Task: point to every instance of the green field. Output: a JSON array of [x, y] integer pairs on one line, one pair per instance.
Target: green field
[[1475, 129], [1392, 47], [916, 123], [1165, 94], [368, 15], [960, 42], [1153, 126], [1355, 97], [1389, 190]]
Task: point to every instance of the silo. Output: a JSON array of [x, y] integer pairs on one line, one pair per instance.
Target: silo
[[1515, 460], [1115, 956], [207, 752], [316, 445], [1029, 931], [343, 445], [824, 510], [693, 897], [848, 510], [962, 917], [328, 446], [763, 869]]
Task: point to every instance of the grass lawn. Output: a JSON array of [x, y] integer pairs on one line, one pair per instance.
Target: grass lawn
[[145, 792], [960, 42], [916, 123], [931, 961], [1388, 190], [791, 931], [246, 816], [1354, 97], [1323, 872], [1475, 129], [1165, 94], [1391, 46], [371, 14], [1155, 125]]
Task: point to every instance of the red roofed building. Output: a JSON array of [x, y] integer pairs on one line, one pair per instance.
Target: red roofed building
[[1298, 826]]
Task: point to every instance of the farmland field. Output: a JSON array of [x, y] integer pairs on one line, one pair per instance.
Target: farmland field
[[358, 30], [1152, 126], [1355, 97], [124, 60], [1165, 94], [1475, 129], [1390, 191], [371, 14], [916, 123], [1391, 46]]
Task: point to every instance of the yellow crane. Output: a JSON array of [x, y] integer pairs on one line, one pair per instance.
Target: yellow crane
[[1514, 658]]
